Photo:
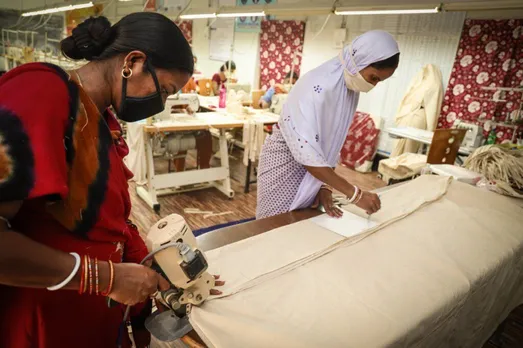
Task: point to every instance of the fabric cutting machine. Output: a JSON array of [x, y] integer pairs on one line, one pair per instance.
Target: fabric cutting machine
[[177, 257]]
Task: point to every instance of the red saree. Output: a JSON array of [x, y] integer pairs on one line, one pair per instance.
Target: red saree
[[64, 160]]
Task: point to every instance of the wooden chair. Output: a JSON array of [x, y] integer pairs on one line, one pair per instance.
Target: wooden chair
[[443, 150], [256, 96], [445, 146], [205, 87]]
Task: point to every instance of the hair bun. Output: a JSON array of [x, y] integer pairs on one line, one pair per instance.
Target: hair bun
[[89, 39]]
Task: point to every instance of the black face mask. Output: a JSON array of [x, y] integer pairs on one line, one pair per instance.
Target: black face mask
[[134, 109]]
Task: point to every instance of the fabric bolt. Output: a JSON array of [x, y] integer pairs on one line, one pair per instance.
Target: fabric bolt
[[316, 117], [448, 284], [279, 41], [361, 143], [64, 160], [490, 54], [420, 107]]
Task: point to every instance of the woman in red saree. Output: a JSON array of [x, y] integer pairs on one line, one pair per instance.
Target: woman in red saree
[[63, 184]]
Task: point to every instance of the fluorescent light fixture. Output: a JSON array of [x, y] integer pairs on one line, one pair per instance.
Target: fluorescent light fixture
[[385, 11], [57, 9], [232, 15], [198, 16]]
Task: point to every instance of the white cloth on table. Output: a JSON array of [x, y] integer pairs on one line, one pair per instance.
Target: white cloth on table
[[430, 275], [403, 166], [136, 160], [420, 106], [253, 139]]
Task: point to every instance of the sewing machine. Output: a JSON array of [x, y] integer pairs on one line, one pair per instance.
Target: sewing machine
[[179, 260], [474, 136], [187, 102]]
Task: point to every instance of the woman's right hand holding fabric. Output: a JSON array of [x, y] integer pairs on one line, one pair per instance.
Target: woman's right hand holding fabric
[[370, 202], [135, 283]]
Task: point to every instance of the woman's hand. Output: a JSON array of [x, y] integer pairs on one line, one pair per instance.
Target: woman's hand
[[324, 197], [135, 283], [370, 202]]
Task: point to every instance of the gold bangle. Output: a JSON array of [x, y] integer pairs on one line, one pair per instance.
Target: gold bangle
[[326, 187], [86, 274]]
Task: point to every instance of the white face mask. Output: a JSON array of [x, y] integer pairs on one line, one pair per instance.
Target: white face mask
[[355, 82]]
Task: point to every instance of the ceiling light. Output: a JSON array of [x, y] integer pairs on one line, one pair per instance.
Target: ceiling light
[[385, 11], [57, 9], [251, 14], [198, 16]]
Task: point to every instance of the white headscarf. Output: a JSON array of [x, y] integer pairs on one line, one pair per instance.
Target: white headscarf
[[317, 114]]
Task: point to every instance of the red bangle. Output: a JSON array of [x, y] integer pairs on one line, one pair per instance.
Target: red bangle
[[82, 266], [86, 274], [90, 278], [111, 279]]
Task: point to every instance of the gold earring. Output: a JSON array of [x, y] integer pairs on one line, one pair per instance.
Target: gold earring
[[127, 72]]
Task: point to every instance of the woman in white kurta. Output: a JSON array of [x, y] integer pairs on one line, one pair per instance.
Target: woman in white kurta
[[300, 156]]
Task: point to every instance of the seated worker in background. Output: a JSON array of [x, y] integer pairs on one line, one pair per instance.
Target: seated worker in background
[[266, 100], [226, 70]]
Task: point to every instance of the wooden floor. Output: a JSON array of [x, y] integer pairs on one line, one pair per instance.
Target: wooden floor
[[243, 206]]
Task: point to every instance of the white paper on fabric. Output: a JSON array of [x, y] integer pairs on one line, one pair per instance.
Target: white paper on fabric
[[437, 277], [318, 112], [347, 226]]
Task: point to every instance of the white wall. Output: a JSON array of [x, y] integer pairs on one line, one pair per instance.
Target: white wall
[[245, 55]]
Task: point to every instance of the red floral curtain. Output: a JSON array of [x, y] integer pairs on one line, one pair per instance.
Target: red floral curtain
[[278, 42], [361, 143], [490, 54], [186, 28]]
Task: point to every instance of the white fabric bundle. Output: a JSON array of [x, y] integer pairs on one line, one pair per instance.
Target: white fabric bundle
[[253, 139]]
